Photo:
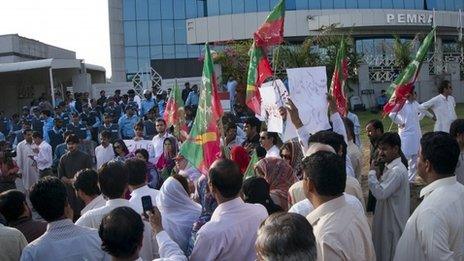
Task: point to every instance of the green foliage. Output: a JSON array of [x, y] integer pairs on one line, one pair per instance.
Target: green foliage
[[402, 51], [234, 60]]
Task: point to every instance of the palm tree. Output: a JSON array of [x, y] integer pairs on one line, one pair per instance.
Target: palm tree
[[402, 51]]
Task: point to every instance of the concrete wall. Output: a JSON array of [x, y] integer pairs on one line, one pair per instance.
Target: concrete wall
[[118, 73]]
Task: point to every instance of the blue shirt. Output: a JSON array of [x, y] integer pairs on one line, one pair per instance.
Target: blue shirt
[[47, 126], [382, 100], [2, 137], [146, 106], [126, 126], [192, 99]]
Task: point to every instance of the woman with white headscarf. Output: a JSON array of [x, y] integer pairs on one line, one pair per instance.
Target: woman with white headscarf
[[178, 211]]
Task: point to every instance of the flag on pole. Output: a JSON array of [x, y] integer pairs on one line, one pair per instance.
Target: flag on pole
[[250, 171], [403, 84], [203, 145], [339, 78], [259, 70], [271, 32], [174, 114]]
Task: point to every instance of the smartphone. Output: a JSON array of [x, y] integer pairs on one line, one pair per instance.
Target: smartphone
[[147, 205]]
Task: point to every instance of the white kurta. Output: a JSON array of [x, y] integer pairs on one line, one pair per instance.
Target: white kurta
[[460, 169], [444, 111], [26, 165], [392, 207], [435, 230]]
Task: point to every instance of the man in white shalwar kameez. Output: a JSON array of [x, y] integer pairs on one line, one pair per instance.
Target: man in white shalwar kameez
[[410, 131], [442, 106], [391, 190], [27, 166]]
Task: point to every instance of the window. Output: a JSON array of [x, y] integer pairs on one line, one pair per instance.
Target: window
[[263, 5], [459, 5], [131, 59], [420, 4], [353, 4], [144, 58], [273, 3], [181, 51], [363, 4], [141, 7], [168, 52], [315, 4], [376, 3], [290, 5], [201, 9], [409, 4], [180, 32], [339, 4], [387, 4], [250, 6], [238, 6], [167, 31], [213, 7], [156, 52], [193, 51], [180, 9], [155, 32], [225, 7], [190, 8], [327, 4], [128, 10], [449, 5], [130, 33], [154, 9], [142, 33], [398, 4], [167, 11]]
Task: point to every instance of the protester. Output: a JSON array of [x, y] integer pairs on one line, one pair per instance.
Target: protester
[[286, 236], [43, 155], [231, 137], [166, 163], [14, 208], [269, 140], [229, 235], [63, 240], [187, 171], [251, 127], [391, 190], [158, 140], [186, 91], [457, 132], [154, 179], [127, 122], [354, 153], [77, 128], [193, 97], [435, 231], [121, 152], [8, 169], [374, 130], [60, 150], [104, 152], [108, 125], [382, 100], [178, 210], [356, 127], [86, 186], [256, 190], [341, 232], [280, 177], [27, 166], [291, 152], [443, 106], [137, 180], [55, 135]]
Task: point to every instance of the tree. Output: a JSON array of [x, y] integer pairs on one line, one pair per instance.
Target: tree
[[402, 51]]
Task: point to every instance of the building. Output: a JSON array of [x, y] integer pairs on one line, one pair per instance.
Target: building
[[168, 35], [29, 68]]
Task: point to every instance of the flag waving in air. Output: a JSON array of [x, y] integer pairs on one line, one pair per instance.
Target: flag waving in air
[[271, 32], [259, 70], [403, 84], [202, 147], [340, 75], [174, 114]]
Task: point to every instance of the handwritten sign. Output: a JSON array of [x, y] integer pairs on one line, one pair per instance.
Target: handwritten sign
[[133, 145], [270, 104]]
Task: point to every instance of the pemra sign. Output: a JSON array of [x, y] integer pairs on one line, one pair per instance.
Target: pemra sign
[[410, 18]]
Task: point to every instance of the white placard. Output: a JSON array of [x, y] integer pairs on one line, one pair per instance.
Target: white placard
[[308, 91], [133, 145], [271, 101]]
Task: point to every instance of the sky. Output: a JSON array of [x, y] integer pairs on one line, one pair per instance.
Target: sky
[[77, 25]]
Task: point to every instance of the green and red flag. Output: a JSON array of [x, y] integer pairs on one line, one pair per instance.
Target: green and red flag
[[404, 83], [259, 70], [271, 32], [250, 171], [340, 75], [203, 145], [174, 114]]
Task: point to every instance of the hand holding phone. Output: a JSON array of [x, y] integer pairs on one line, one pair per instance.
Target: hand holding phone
[[147, 205], [154, 217]]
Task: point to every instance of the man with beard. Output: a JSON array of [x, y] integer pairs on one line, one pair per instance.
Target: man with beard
[[374, 129]]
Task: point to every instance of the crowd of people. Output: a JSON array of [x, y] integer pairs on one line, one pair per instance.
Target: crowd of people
[[75, 181]]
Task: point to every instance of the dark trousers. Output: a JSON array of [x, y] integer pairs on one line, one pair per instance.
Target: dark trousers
[[45, 172]]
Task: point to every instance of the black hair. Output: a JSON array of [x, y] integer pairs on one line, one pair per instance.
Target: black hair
[[442, 151], [12, 204], [87, 181], [136, 171], [443, 85], [349, 125], [254, 122], [72, 138], [144, 153], [49, 198], [225, 176], [327, 172], [46, 113], [105, 134], [457, 127], [260, 152], [274, 136], [121, 232], [112, 178], [27, 130], [286, 236], [390, 138], [256, 191], [160, 120], [36, 135], [330, 138], [123, 145], [183, 181], [377, 124]]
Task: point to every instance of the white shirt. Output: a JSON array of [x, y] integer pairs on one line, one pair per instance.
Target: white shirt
[[357, 127], [137, 194], [158, 144], [45, 158], [435, 231], [65, 241], [168, 249], [12, 242], [97, 202], [94, 217], [103, 154], [273, 152], [231, 233], [444, 111], [409, 117], [30, 173], [460, 169], [341, 232], [305, 207], [356, 158]]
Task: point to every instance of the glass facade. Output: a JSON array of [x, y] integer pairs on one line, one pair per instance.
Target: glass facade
[[156, 30]]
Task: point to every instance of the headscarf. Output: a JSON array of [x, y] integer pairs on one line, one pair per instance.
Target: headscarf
[[240, 156], [178, 211], [297, 157], [256, 190], [280, 177], [166, 162]]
